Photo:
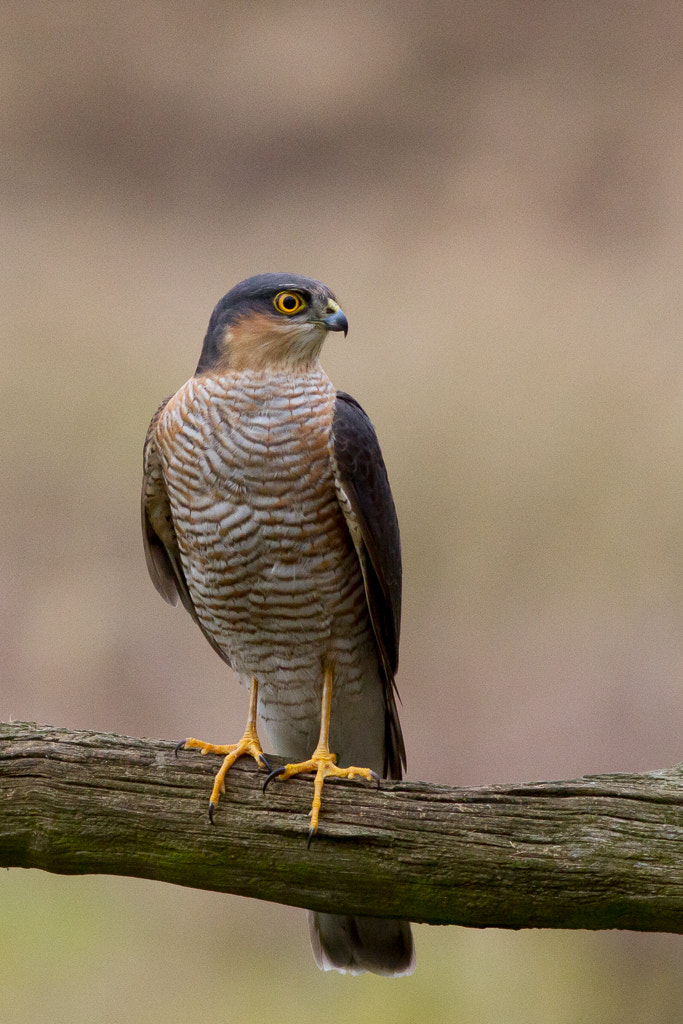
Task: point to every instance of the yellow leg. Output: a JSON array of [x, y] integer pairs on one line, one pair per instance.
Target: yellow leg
[[322, 762], [249, 744]]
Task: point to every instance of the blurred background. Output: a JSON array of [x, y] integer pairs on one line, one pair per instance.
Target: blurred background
[[494, 192]]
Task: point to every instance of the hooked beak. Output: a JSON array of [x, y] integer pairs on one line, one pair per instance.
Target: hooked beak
[[335, 320]]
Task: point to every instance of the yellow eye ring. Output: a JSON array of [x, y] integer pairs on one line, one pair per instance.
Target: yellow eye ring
[[289, 303]]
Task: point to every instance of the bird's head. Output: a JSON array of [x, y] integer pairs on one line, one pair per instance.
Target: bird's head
[[271, 321]]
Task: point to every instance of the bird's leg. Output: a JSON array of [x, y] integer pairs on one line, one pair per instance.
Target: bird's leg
[[322, 761], [249, 744]]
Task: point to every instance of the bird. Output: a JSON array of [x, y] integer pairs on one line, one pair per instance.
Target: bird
[[267, 510]]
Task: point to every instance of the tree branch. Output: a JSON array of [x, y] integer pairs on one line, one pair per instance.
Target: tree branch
[[598, 852]]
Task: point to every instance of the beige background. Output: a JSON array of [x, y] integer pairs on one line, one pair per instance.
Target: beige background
[[494, 192]]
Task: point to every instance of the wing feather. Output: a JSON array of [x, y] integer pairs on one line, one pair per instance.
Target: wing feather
[[366, 500]]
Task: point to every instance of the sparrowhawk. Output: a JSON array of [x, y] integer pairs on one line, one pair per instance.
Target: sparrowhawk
[[266, 508]]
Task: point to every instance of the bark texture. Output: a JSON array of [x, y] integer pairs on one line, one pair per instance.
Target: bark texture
[[597, 852]]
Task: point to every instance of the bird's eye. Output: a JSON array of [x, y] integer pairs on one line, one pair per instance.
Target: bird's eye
[[289, 303]]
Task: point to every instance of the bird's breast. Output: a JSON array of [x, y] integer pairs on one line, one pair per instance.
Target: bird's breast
[[265, 548]]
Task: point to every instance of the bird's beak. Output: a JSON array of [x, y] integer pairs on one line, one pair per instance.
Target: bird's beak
[[336, 321]]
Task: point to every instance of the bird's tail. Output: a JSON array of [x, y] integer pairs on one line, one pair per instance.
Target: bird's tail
[[380, 945], [353, 945]]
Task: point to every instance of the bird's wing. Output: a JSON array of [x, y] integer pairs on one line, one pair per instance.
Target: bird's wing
[[365, 498], [158, 532]]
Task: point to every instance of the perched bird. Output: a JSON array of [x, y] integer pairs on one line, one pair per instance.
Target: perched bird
[[266, 508]]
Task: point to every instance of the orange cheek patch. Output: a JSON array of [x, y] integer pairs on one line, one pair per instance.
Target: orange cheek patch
[[261, 342], [254, 344]]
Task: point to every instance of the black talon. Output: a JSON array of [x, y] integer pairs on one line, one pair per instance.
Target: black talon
[[311, 836], [376, 778], [265, 763], [273, 775], [179, 746], [212, 808]]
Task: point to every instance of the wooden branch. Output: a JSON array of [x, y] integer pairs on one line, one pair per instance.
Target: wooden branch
[[598, 852]]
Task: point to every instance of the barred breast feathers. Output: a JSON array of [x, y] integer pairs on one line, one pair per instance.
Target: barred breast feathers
[[264, 543]]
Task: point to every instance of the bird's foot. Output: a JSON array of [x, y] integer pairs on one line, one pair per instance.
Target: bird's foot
[[249, 744], [323, 763]]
